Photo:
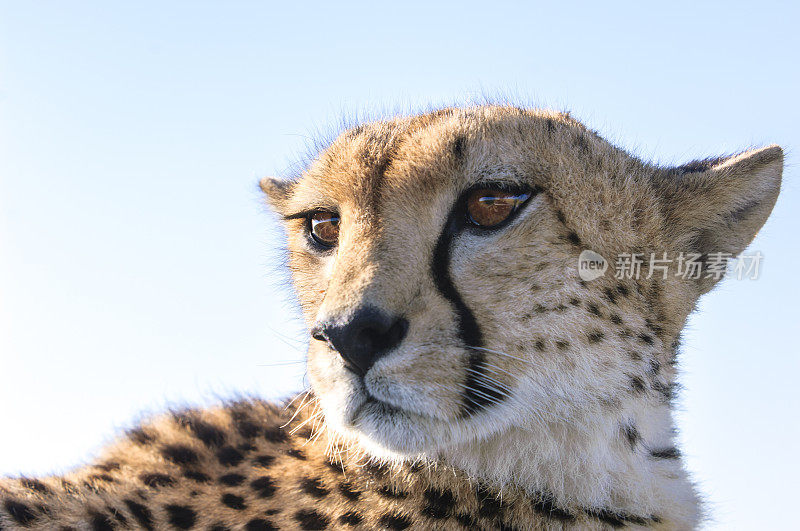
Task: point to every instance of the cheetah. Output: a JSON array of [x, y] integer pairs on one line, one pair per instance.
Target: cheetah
[[464, 375]]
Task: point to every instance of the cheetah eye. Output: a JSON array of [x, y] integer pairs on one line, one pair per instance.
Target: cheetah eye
[[324, 228], [488, 208]]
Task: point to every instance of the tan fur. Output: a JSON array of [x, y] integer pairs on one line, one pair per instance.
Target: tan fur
[[582, 436]]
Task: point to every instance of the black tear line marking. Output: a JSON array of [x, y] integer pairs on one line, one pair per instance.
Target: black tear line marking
[[477, 395]]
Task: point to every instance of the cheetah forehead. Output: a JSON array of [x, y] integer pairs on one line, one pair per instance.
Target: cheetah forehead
[[428, 159]]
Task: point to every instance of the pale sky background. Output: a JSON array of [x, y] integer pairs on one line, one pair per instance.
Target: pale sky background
[[138, 267]]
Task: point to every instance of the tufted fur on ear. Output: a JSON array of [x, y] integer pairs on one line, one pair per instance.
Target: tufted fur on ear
[[718, 205], [278, 192]]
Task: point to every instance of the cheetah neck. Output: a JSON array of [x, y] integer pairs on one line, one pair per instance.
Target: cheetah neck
[[622, 464]]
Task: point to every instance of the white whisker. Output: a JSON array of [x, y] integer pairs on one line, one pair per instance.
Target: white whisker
[[501, 353]]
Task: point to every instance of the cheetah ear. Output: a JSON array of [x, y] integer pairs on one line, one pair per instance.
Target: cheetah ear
[[278, 192], [718, 205]]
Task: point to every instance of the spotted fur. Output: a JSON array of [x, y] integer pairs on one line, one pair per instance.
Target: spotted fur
[[520, 396]]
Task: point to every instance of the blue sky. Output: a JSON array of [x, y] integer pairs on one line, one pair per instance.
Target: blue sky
[[139, 269]]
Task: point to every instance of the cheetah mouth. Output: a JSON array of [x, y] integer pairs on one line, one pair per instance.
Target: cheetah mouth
[[376, 406], [393, 431], [372, 408]]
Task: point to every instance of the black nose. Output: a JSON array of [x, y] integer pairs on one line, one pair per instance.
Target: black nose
[[364, 339]]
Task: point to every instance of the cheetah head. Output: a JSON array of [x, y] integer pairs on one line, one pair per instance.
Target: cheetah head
[[436, 262]]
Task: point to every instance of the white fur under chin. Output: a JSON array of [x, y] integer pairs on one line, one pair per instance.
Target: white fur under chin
[[578, 466], [584, 462]]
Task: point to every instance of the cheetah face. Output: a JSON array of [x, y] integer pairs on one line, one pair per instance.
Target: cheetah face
[[435, 259]]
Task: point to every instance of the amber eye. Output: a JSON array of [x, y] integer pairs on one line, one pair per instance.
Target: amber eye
[[324, 228], [489, 208]]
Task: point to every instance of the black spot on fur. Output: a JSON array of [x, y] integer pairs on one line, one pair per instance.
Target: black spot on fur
[[196, 476], [488, 504], [220, 527], [275, 435], [264, 460], [313, 487], [233, 501], [544, 505], [264, 486], [311, 520], [155, 480], [616, 319], [615, 519], [467, 521], [593, 309], [139, 436], [21, 513], [259, 524], [304, 433], [676, 348], [180, 454], [395, 521], [655, 366], [232, 480], [440, 504], [247, 429], [296, 453], [101, 477], [141, 513], [181, 516], [35, 485], [667, 391], [100, 522], [245, 447], [415, 467], [666, 453], [229, 456], [562, 344], [607, 517], [333, 465], [348, 491], [631, 434], [595, 336], [391, 493], [118, 515], [376, 470], [574, 239], [623, 290], [611, 295], [647, 339], [539, 344], [656, 329], [209, 435], [350, 518], [458, 147]]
